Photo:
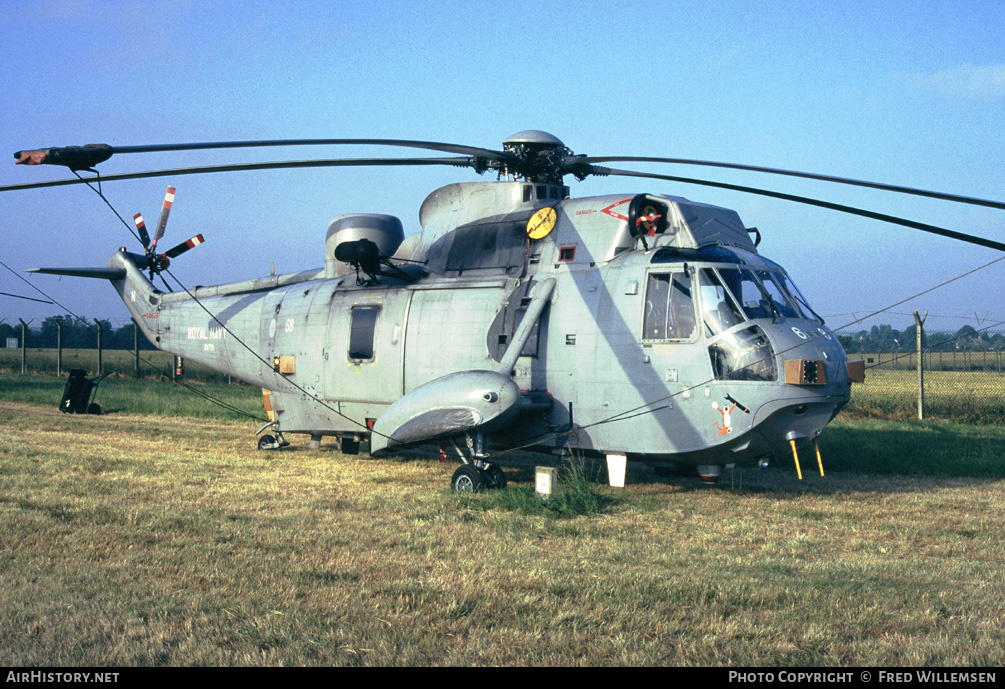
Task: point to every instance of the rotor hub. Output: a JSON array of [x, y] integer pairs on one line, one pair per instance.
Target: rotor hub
[[533, 137], [539, 156]]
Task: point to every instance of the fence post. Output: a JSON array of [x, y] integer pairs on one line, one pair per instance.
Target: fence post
[[919, 322], [24, 342], [59, 347], [98, 323]]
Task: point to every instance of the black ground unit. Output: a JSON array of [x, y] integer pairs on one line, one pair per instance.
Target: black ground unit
[[77, 396]]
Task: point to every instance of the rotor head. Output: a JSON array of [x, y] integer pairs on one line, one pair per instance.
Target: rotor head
[[538, 156]]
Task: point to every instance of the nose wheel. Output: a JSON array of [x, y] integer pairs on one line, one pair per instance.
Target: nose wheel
[[269, 442]]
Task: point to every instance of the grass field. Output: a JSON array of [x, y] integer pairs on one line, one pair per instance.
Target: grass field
[[144, 539], [143, 396], [154, 365]]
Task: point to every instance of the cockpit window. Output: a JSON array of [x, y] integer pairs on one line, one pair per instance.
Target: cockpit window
[[798, 299], [669, 308], [764, 293], [754, 299], [744, 354], [718, 309], [785, 306]]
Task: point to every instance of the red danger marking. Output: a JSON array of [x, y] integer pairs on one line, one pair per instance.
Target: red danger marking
[[611, 213]]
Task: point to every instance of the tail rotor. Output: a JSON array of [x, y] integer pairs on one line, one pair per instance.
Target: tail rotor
[[157, 262]]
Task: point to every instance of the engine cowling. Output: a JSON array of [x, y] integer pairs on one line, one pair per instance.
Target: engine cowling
[[383, 230]]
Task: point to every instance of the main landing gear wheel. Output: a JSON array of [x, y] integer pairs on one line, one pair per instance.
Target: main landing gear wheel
[[467, 479]]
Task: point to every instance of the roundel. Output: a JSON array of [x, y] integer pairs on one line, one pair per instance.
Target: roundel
[[541, 223]]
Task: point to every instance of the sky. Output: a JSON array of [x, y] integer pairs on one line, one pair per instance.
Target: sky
[[903, 93]]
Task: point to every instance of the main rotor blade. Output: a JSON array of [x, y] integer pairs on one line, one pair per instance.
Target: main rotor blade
[[280, 165], [794, 173], [924, 227], [460, 149], [84, 157]]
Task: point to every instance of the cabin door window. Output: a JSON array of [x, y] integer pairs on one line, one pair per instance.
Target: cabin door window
[[362, 332]]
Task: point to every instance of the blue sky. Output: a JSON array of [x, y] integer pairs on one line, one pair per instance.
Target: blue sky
[[906, 93]]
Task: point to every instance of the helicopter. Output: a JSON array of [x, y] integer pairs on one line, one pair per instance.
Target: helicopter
[[634, 327]]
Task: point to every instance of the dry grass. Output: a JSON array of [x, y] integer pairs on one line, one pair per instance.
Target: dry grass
[[146, 540]]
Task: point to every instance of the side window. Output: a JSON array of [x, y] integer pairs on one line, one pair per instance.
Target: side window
[[362, 329], [669, 308]]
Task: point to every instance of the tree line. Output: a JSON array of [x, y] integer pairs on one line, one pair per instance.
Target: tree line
[[884, 338], [77, 334]]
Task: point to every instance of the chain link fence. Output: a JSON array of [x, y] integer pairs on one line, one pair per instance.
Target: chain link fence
[[152, 364], [963, 376], [963, 371]]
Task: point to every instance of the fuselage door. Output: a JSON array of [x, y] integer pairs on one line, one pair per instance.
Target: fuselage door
[[363, 356]]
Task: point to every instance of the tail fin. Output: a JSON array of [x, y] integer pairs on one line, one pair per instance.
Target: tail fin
[[140, 296], [100, 273]]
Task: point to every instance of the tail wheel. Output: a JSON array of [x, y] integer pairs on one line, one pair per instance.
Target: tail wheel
[[266, 442], [467, 479]]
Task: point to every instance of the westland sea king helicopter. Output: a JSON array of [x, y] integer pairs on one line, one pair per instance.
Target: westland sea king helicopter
[[631, 326]]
